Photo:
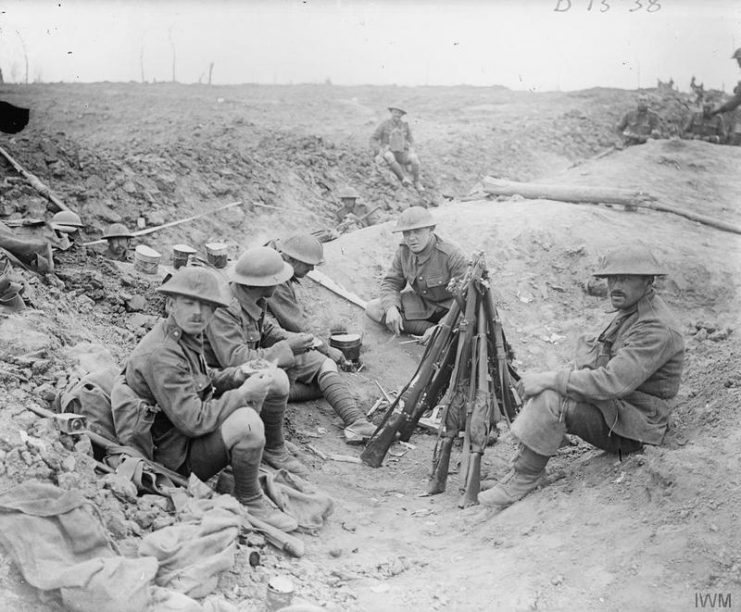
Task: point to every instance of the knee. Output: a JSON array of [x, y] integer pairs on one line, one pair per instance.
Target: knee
[[548, 401], [280, 384], [389, 157], [328, 366], [374, 310], [243, 426]]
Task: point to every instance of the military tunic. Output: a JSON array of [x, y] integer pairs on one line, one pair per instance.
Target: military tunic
[[427, 275]]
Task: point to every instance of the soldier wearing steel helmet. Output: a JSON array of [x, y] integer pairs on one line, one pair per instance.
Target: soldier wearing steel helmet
[[638, 125], [414, 292], [394, 145], [118, 242], [170, 407], [353, 214], [617, 393], [243, 331], [732, 104]]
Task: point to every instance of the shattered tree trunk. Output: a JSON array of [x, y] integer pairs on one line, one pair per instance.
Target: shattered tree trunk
[[566, 193]]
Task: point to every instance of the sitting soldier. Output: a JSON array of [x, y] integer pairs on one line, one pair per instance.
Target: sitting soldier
[[242, 333], [426, 263], [173, 409], [617, 395], [638, 125], [393, 144], [354, 215], [118, 242], [703, 125]]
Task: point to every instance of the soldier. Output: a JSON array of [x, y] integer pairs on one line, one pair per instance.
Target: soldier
[[118, 240], [702, 125], [393, 143], [732, 104], [638, 125], [242, 333], [352, 214], [616, 394], [198, 420], [426, 263]]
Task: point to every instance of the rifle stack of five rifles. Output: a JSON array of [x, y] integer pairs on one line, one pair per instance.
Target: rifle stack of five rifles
[[466, 372]]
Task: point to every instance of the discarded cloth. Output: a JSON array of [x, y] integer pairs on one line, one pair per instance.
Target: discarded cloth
[[58, 543], [202, 544]]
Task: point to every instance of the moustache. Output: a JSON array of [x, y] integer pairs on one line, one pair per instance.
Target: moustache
[[617, 294]]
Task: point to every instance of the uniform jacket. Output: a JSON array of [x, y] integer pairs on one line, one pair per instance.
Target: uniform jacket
[[397, 135], [285, 307], [427, 273], [631, 370], [640, 124], [701, 125], [167, 370], [734, 102], [242, 332]]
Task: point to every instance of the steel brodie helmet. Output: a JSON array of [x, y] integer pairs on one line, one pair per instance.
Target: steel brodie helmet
[[633, 260], [304, 248], [261, 267], [414, 217], [198, 283], [117, 230]]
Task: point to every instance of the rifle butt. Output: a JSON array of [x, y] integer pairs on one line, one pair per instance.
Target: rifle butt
[[473, 482], [379, 444], [280, 539], [439, 476]]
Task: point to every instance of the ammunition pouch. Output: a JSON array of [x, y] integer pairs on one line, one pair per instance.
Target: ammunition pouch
[[133, 418]]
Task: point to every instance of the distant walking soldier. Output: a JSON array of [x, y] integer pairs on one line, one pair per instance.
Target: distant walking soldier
[[617, 393], [732, 104], [703, 125], [172, 408], [638, 125], [414, 292], [242, 333], [394, 144]]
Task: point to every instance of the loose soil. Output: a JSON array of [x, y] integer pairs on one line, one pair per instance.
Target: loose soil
[[645, 533]]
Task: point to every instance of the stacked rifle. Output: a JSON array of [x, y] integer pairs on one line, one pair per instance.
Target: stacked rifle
[[466, 375]]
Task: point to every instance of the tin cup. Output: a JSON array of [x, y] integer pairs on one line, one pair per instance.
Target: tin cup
[[279, 593], [181, 254], [146, 259], [216, 254]]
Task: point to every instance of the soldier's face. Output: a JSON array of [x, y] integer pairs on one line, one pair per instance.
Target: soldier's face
[[301, 269], [626, 290], [396, 113], [417, 239], [119, 246], [191, 315], [642, 107]]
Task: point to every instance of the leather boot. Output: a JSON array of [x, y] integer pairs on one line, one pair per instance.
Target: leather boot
[[526, 475], [261, 508], [337, 394], [280, 459]]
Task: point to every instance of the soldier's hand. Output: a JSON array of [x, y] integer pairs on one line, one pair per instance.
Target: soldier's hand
[[534, 383], [334, 354], [256, 387], [300, 343], [394, 320]]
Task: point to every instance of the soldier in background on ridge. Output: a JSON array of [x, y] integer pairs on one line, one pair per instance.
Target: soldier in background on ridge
[[703, 125], [638, 125], [414, 292], [394, 144], [732, 104], [353, 214]]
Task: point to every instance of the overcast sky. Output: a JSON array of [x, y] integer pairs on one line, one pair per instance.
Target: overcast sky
[[530, 44]]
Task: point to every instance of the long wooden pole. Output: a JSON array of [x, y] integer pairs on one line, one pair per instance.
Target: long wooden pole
[[35, 182], [599, 195]]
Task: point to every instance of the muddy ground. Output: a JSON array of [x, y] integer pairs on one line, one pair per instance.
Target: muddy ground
[[646, 533]]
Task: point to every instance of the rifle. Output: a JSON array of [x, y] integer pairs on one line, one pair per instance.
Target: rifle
[[479, 420], [452, 401], [505, 374], [402, 411]]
